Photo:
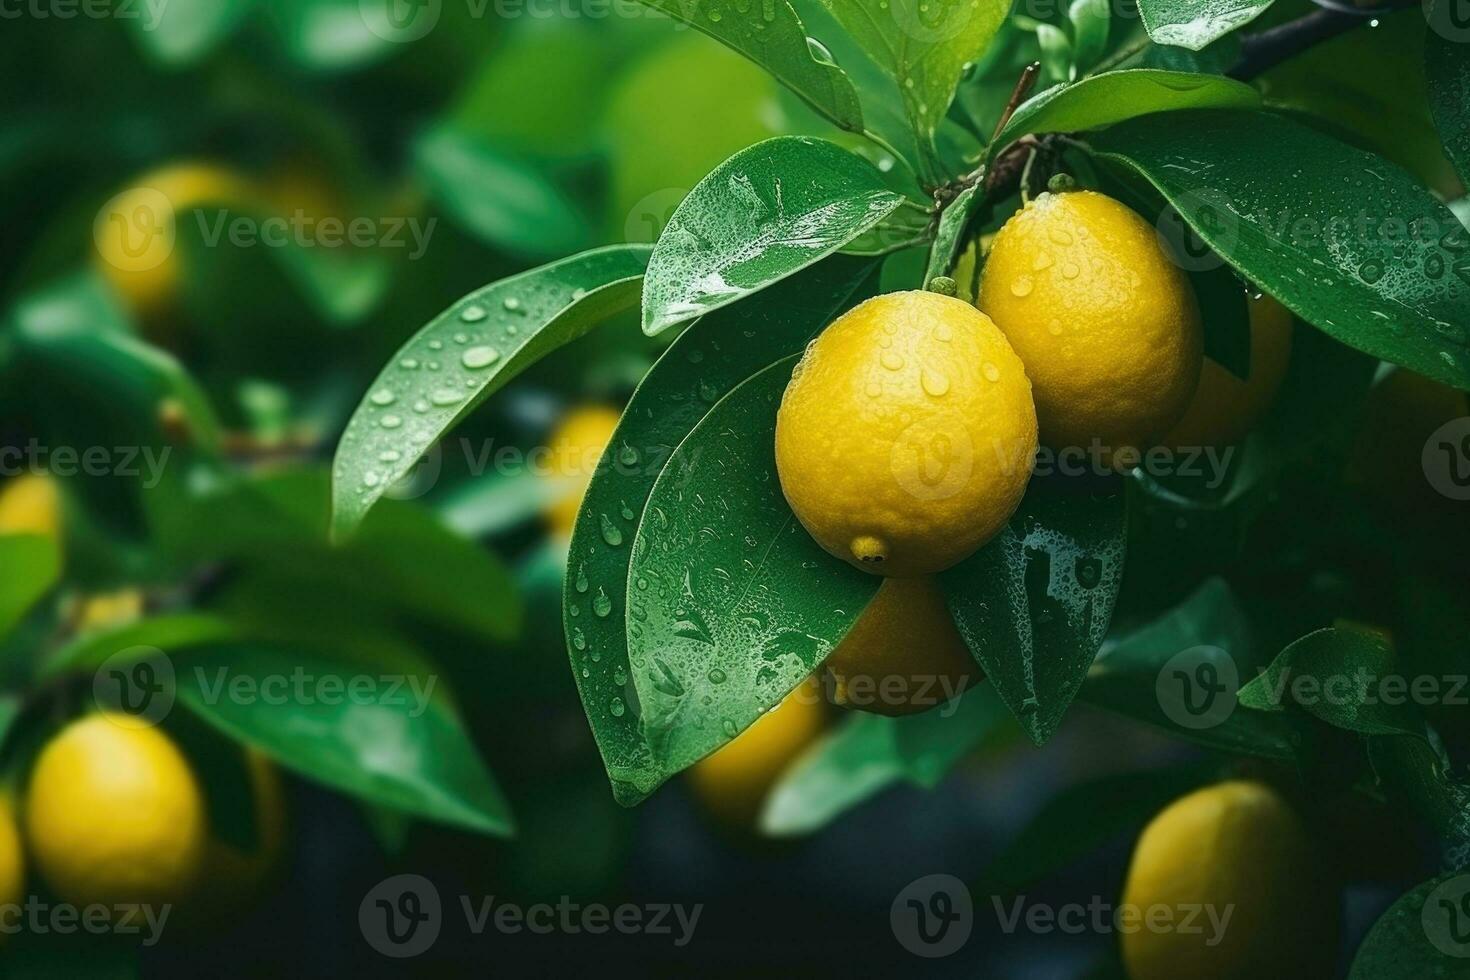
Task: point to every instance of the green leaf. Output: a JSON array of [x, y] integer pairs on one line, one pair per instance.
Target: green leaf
[[869, 753], [405, 747], [771, 35], [769, 211], [700, 367], [1115, 96], [714, 643], [32, 564], [506, 327], [1056, 49], [169, 632], [924, 47], [505, 200], [1193, 24], [1034, 604], [905, 227], [177, 34], [1421, 935], [1090, 20], [1205, 641], [1081, 819], [949, 239], [1348, 678], [326, 35], [1339, 253], [1447, 65]]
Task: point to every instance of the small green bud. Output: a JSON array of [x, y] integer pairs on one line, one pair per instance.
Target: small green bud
[[944, 286], [1061, 183]]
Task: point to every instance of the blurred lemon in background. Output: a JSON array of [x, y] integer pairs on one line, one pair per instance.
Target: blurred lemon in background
[[904, 654], [114, 814], [1224, 407], [1234, 849], [136, 231], [575, 448], [12, 862], [30, 504], [733, 781]]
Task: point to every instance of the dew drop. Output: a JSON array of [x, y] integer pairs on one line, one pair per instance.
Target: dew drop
[[610, 532], [935, 383], [581, 580], [601, 603], [473, 313], [390, 421], [1021, 286], [617, 707], [991, 372], [943, 333], [480, 357], [891, 360], [382, 397]]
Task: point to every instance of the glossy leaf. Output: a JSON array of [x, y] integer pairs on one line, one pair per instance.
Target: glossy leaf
[[1447, 65], [923, 46], [1193, 24], [1206, 639], [1034, 604], [498, 197], [478, 345], [1339, 253], [1112, 97], [1421, 935], [771, 35], [869, 753], [1339, 676], [404, 748], [765, 213], [949, 239], [32, 564], [730, 602], [1090, 20], [700, 367]]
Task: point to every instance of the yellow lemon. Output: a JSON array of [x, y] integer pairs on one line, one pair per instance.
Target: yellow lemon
[[1238, 856], [30, 504], [903, 655], [574, 451], [733, 781], [907, 434], [1105, 322], [108, 610], [1403, 410], [136, 231], [240, 872], [1224, 407], [114, 814], [12, 866]]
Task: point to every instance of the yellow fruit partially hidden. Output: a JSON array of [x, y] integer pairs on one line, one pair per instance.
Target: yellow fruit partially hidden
[[234, 873], [907, 434], [576, 448], [1106, 324], [1224, 407], [136, 231], [30, 504], [1403, 410], [1237, 861], [12, 865], [114, 814], [903, 655], [732, 783]]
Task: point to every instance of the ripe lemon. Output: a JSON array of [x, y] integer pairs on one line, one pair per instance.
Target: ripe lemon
[[12, 865], [907, 434], [136, 231], [1236, 849], [1224, 407], [575, 449], [1387, 459], [114, 814], [1105, 322], [733, 781], [903, 655], [30, 504]]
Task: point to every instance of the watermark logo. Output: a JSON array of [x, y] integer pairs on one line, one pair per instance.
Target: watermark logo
[[136, 683], [932, 458], [400, 21], [1207, 210], [401, 916], [651, 214], [1196, 688], [933, 916], [135, 230], [1446, 917], [1450, 19], [1446, 459]]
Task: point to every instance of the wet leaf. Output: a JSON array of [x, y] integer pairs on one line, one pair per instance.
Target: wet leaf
[[1193, 24]]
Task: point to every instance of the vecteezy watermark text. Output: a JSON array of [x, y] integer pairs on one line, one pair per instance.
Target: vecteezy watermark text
[[39, 917]]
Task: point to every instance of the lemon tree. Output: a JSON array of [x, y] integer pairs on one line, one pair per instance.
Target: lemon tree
[[1006, 385]]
